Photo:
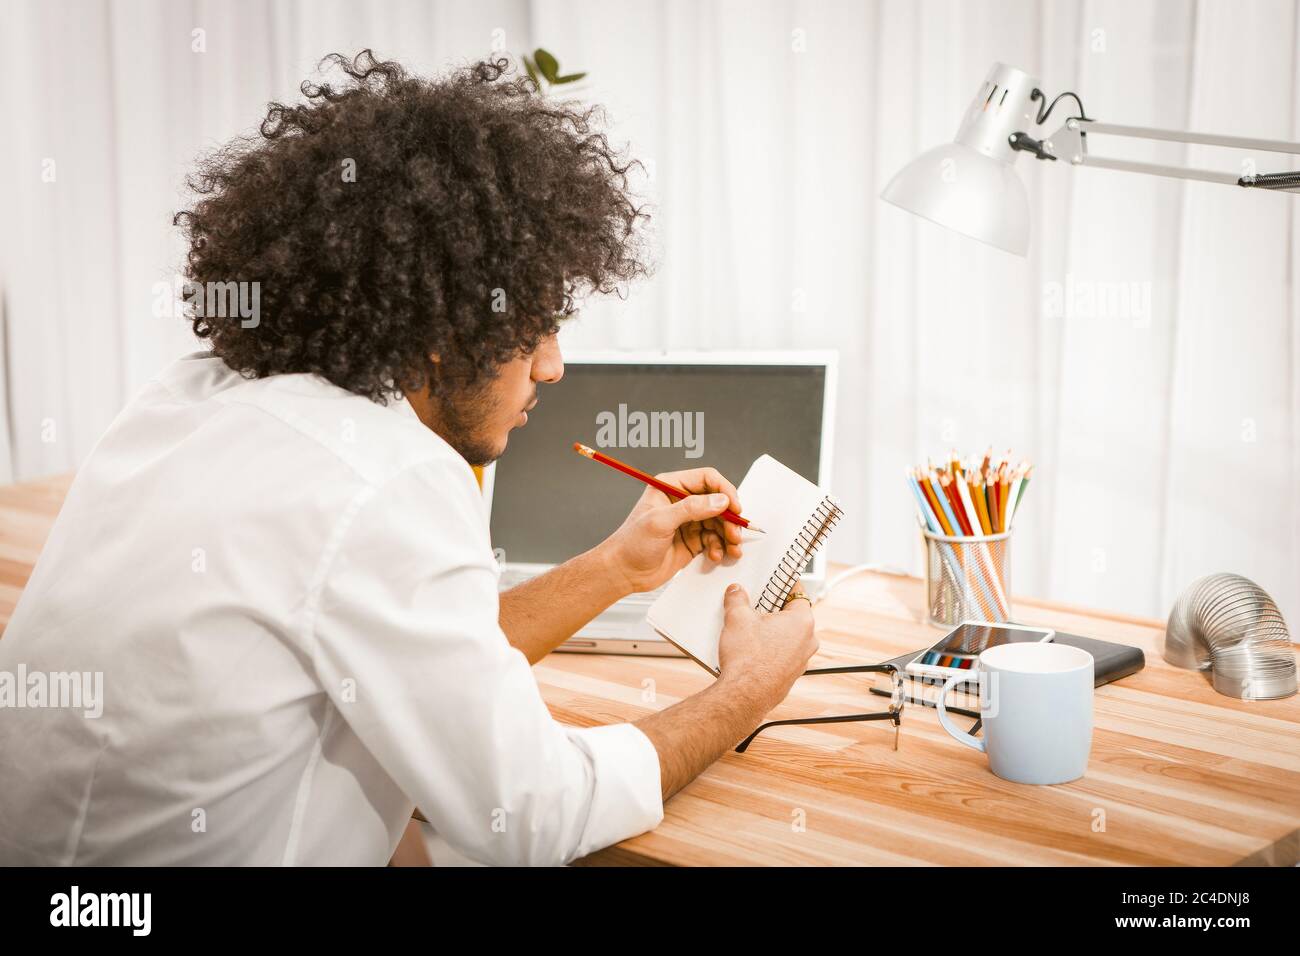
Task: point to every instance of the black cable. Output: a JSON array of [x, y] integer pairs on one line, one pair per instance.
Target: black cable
[[1046, 111]]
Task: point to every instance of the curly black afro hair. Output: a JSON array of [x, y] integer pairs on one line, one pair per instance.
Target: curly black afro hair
[[477, 212]]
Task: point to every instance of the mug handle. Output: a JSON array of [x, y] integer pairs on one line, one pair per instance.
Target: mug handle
[[960, 736]]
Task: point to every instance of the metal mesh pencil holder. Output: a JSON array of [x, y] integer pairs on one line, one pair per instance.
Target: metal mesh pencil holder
[[967, 578]]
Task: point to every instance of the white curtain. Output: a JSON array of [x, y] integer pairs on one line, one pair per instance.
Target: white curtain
[[1145, 356]]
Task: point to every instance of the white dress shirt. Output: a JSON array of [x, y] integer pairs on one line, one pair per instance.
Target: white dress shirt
[[290, 594]]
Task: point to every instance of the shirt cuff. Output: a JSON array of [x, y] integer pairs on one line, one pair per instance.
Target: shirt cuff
[[627, 798]]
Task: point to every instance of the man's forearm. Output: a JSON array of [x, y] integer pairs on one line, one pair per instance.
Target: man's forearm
[[538, 615], [692, 734]]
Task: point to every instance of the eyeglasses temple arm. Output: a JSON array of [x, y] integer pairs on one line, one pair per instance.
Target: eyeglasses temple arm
[[893, 714]]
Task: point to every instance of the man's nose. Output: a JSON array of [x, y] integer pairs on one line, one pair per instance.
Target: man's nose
[[548, 363]]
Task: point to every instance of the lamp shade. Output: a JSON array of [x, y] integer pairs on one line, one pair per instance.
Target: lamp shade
[[970, 185], [967, 191]]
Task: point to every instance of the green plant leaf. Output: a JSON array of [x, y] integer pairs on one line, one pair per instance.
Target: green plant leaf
[[549, 66], [570, 78], [532, 73]]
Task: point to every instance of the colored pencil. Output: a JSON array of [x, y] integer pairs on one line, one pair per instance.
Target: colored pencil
[[674, 494], [1020, 492], [981, 504], [951, 523], [950, 491], [1013, 495], [972, 516], [941, 514], [1001, 494]]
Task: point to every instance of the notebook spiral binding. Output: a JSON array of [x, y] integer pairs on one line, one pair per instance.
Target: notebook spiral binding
[[806, 544]]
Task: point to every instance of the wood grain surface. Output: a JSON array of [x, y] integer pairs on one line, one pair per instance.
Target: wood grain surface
[[1178, 775]]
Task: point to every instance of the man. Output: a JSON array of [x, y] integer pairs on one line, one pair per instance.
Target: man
[[277, 558]]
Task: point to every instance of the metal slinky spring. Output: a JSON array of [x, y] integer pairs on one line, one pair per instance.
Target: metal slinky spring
[[1229, 627]]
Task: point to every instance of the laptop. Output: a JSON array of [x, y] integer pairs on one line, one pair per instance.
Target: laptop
[[657, 411]]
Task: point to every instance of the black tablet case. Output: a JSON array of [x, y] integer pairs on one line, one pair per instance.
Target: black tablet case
[[1110, 662]]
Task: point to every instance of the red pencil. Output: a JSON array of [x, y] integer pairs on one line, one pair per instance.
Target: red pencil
[[669, 490]]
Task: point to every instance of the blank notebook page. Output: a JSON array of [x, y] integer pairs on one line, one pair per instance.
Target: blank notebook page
[[689, 613]]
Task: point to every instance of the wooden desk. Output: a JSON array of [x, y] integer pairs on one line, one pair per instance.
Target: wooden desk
[[26, 513], [1179, 774]]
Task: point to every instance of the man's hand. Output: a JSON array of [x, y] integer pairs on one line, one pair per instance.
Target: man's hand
[[654, 543], [660, 536], [760, 656], [764, 652]]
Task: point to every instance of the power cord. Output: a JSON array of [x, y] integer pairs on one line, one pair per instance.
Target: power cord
[[854, 571], [1046, 111]]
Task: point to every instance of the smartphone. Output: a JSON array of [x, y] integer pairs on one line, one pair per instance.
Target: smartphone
[[956, 652]]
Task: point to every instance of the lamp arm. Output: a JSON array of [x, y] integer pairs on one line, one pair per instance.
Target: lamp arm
[[1180, 136], [1070, 143]]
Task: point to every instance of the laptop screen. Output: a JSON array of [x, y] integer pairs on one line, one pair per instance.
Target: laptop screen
[[549, 503]]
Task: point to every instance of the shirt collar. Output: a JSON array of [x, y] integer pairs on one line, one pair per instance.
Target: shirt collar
[[403, 407]]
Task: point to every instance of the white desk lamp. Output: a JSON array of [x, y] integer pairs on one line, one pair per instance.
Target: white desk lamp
[[970, 184]]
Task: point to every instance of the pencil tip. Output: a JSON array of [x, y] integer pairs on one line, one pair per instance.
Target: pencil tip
[[754, 527]]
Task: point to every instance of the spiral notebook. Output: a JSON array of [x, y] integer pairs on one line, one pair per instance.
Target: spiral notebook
[[797, 516]]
